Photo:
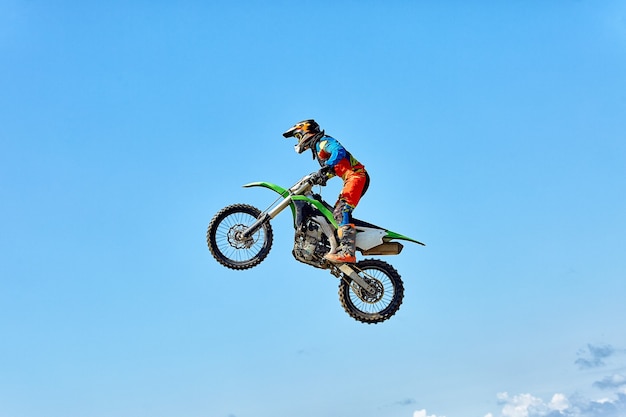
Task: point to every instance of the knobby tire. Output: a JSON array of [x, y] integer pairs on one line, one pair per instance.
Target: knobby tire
[[373, 311], [227, 248]]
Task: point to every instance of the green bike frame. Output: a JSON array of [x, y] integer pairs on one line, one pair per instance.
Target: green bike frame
[[371, 239]]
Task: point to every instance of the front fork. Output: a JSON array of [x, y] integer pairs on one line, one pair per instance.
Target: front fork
[[265, 217], [342, 270], [255, 226]]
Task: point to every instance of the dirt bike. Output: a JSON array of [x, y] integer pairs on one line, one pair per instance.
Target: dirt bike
[[371, 291]]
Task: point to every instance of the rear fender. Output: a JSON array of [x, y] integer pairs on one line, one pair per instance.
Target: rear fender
[[393, 235], [378, 241]]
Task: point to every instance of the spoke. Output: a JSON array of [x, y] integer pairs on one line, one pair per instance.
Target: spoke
[[230, 245], [381, 301]]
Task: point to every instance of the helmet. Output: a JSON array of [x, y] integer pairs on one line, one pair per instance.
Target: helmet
[[307, 132]]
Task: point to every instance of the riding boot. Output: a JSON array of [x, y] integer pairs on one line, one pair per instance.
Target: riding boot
[[347, 251]]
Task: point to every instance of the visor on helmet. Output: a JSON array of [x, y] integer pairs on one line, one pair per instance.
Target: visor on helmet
[[290, 132], [305, 131]]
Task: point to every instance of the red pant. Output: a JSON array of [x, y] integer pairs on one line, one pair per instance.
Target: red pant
[[354, 186]]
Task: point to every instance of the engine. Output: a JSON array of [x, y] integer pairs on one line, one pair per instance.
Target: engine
[[311, 244]]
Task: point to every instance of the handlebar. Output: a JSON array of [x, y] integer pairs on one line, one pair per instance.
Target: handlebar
[[318, 178], [308, 180]]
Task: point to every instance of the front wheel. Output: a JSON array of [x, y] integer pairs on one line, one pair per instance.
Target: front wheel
[[227, 243], [379, 305]]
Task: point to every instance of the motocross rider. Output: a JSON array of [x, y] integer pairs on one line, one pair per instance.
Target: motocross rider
[[334, 159]]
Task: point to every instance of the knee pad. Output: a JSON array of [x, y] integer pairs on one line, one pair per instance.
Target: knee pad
[[342, 212]]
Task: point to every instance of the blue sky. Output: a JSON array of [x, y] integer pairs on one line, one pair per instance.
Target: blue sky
[[493, 131]]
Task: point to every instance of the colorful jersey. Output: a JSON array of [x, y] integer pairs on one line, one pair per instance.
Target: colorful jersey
[[330, 152]]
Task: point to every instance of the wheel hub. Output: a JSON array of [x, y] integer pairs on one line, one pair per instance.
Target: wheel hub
[[370, 297], [236, 238]]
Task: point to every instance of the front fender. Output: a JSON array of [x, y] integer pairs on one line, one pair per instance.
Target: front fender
[[276, 188]]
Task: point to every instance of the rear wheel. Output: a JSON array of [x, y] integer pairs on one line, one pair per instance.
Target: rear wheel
[[227, 243], [379, 305]]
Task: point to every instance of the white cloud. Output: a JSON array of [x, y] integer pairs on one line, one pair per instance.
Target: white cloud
[[422, 413], [560, 405], [527, 405], [594, 356], [559, 402], [519, 405]]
